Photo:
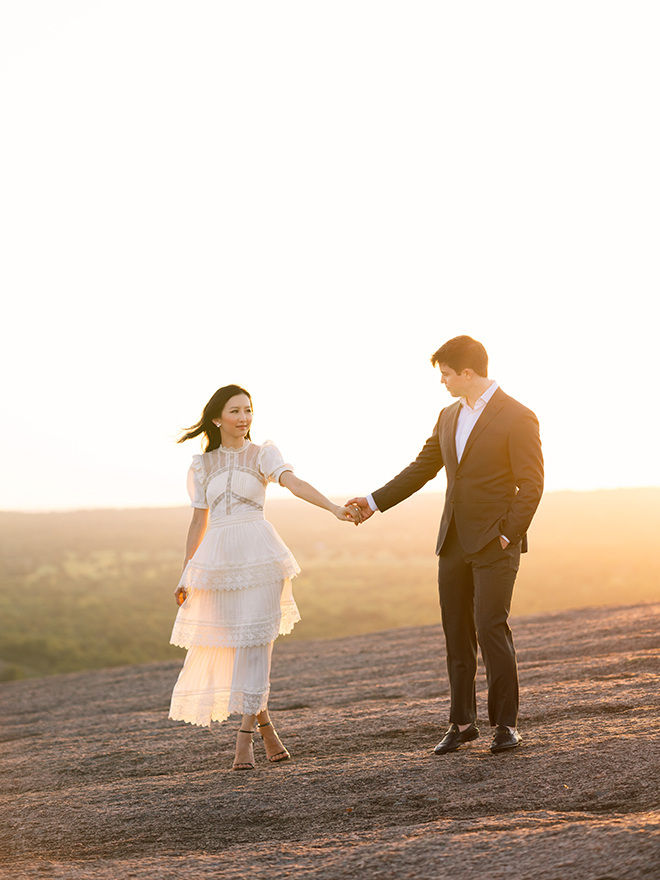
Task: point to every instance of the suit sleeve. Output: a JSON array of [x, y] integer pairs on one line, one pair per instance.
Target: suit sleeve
[[426, 466], [527, 466]]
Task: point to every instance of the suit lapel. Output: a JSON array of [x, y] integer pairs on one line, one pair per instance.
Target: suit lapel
[[448, 436], [491, 409]]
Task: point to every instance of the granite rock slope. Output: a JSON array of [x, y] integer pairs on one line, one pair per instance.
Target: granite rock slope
[[95, 782]]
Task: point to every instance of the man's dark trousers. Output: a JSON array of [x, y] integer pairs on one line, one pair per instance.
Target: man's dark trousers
[[475, 601]]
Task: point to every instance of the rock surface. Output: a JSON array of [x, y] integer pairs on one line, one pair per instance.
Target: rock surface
[[97, 783]]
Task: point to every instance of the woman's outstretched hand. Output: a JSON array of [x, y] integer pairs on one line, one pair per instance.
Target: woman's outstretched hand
[[180, 594], [348, 514]]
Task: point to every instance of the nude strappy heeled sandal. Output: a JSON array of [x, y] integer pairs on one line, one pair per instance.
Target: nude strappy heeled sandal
[[280, 756], [244, 765]]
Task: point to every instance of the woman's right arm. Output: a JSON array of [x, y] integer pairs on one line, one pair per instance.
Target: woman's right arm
[[196, 532]]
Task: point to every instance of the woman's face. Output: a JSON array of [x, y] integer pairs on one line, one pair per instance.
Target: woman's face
[[235, 420]]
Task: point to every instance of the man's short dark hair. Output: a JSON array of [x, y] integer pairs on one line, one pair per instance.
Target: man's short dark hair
[[462, 353]]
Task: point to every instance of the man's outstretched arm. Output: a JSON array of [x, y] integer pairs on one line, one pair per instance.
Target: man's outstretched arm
[[426, 466]]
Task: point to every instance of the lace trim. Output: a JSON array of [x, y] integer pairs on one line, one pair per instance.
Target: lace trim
[[290, 617], [241, 635], [210, 464], [238, 576], [247, 501], [234, 502], [232, 449], [202, 709], [209, 635]]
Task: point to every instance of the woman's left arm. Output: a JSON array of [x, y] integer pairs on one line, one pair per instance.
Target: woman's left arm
[[307, 492]]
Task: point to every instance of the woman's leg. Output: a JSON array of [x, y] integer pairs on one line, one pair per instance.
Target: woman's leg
[[251, 678], [244, 755], [250, 686], [275, 750]]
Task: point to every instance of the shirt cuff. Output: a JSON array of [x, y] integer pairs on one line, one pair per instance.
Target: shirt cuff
[[371, 502]]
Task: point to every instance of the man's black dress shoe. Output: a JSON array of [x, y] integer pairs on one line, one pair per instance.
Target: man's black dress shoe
[[504, 740], [454, 739]]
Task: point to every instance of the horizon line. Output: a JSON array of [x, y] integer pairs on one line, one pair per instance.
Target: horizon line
[[285, 499]]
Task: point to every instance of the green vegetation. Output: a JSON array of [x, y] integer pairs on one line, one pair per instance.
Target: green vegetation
[[95, 588], [86, 589]]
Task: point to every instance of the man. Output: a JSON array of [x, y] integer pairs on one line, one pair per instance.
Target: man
[[490, 447]]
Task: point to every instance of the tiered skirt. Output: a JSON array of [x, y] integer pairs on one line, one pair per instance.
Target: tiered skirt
[[239, 599]]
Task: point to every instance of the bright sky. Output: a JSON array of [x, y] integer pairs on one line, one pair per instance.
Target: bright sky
[[308, 198]]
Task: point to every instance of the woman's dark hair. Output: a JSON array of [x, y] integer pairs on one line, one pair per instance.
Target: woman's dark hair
[[213, 410]]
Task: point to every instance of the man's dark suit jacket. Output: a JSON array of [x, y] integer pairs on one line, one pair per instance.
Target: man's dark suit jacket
[[496, 487]]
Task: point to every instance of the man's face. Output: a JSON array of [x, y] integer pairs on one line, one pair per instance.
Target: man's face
[[455, 383]]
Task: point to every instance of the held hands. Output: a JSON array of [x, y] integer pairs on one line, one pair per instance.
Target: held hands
[[348, 514], [361, 506]]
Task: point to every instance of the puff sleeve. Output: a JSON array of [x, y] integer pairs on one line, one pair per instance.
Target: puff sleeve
[[271, 463], [196, 489]]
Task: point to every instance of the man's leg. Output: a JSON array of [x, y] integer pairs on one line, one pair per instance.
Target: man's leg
[[494, 571], [457, 610]]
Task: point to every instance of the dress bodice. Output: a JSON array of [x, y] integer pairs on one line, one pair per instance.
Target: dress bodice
[[232, 483]]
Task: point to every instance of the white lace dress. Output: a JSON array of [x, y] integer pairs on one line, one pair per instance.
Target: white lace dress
[[238, 583]]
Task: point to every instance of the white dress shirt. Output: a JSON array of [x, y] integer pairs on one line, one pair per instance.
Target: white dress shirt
[[468, 418]]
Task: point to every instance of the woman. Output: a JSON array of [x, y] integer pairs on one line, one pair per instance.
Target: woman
[[235, 593]]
